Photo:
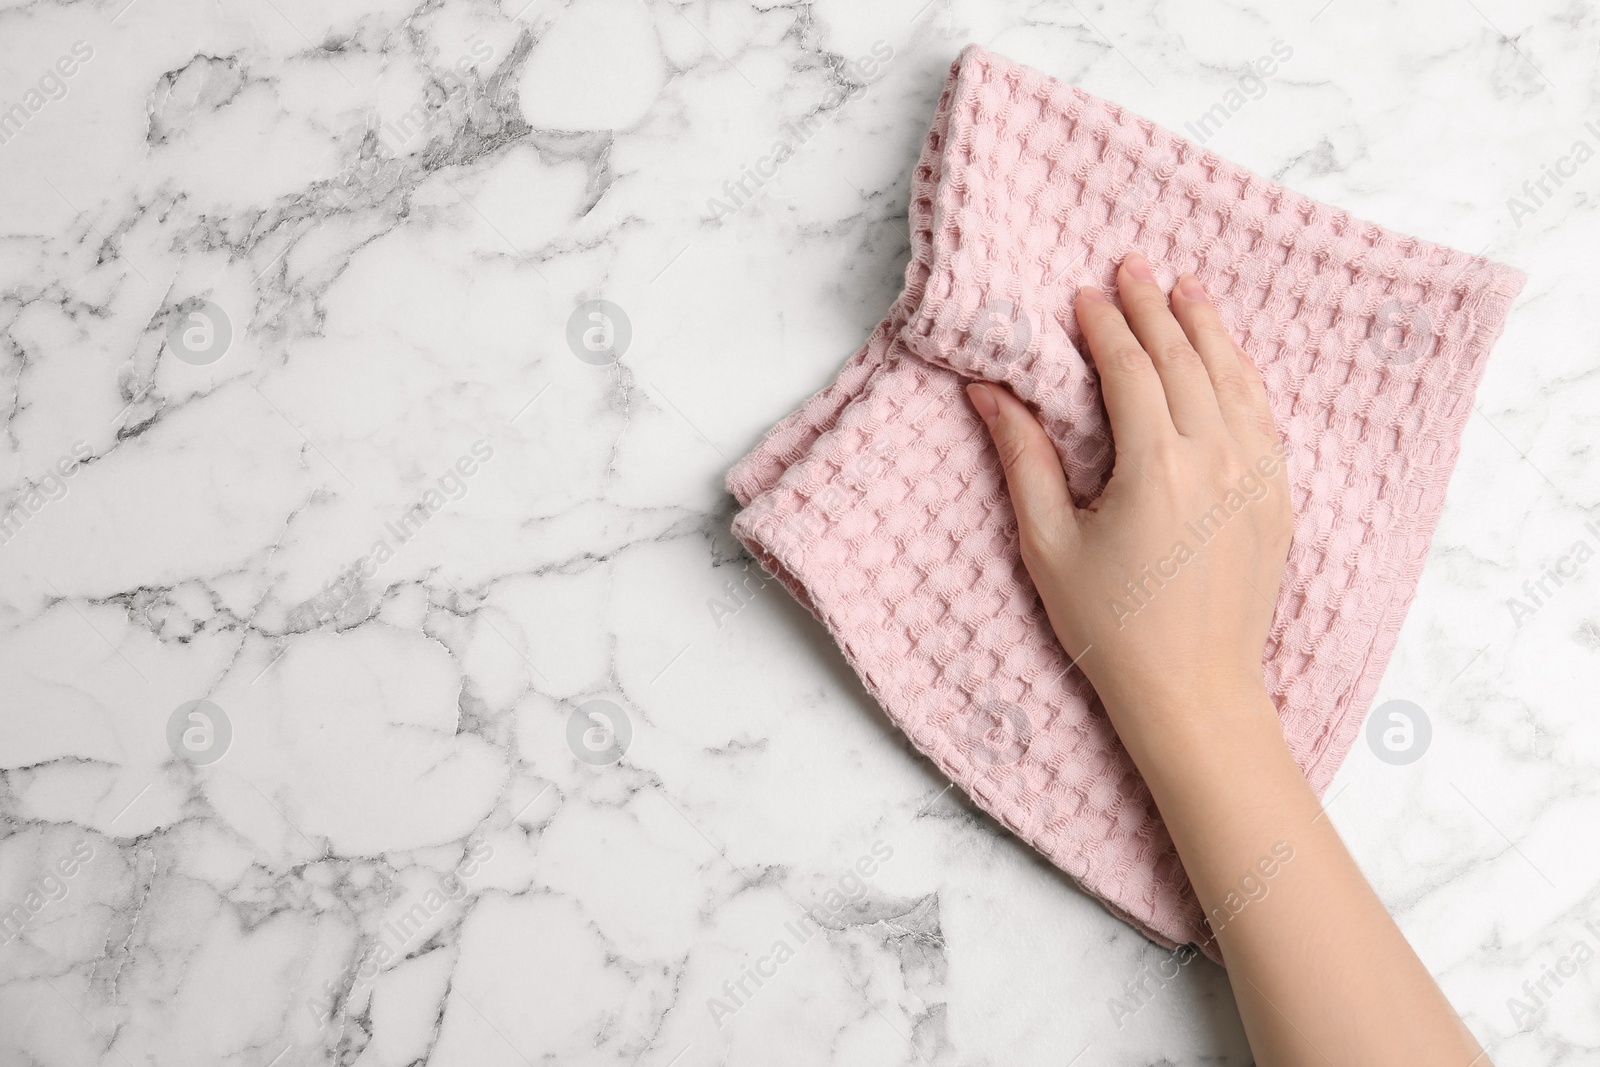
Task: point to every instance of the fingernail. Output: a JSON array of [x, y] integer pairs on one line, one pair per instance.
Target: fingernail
[[1138, 267], [984, 402], [1191, 288], [1089, 292]]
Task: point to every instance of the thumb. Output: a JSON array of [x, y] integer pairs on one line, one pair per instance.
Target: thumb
[[1033, 472]]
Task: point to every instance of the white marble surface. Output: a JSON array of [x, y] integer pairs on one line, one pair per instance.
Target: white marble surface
[[399, 857]]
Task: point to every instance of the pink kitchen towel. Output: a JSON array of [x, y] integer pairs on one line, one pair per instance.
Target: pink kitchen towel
[[881, 506]]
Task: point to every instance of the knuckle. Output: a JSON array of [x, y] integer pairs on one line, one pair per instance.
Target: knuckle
[[1039, 539], [1205, 323], [1175, 351], [1229, 468], [1144, 297], [1233, 389], [1126, 358], [1166, 463], [1012, 447]]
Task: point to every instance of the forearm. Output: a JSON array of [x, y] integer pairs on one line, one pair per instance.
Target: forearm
[[1320, 971]]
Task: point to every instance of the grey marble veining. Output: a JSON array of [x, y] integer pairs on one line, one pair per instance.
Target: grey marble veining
[[380, 682]]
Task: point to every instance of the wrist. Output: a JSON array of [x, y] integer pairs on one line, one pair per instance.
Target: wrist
[[1220, 772], [1203, 732]]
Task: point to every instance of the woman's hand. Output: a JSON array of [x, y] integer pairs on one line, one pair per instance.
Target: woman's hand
[[1167, 581]]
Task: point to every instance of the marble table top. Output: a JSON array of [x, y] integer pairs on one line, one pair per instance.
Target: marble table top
[[381, 684]]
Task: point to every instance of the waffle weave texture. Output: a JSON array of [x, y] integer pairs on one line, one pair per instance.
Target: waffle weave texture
[[882, 507]]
